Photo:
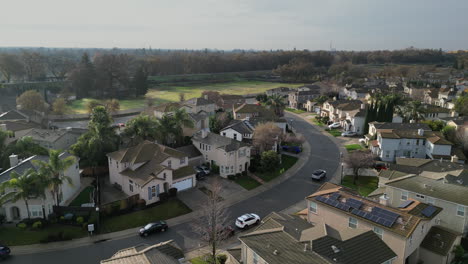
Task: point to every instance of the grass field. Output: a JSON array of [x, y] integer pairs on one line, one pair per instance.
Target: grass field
[[364, 184], [352, 147], [164, 93], [334, 132], [14, 236]]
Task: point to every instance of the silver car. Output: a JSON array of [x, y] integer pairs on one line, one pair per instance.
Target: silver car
[[318, 175]]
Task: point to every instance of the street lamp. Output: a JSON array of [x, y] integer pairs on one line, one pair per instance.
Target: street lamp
[[98, 219]]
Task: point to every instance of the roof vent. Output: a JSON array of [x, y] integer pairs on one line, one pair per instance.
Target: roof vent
[[275, 252], [335, 249]]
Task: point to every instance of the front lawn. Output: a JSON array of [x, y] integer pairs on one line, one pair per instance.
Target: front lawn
[[296, 111], [287, 162], [352, 147], [203, 259], [14, 236], [83, 197], [364, 184], [318, 123], [163, 211], [334, 132], [247, 182]]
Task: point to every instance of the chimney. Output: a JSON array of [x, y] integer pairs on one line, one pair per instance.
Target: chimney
[[384, 199], [13, 160], [454, 159], [3, 127], [421, 132], [363, 106], [204, 133]]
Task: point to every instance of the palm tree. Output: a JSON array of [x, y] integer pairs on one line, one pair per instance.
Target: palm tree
[[24, 186], [277, 103], [51, 173], [181, 120], [167, 130], [414, 110], [143, 127]]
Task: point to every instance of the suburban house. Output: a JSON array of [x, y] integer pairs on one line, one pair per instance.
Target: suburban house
[[355, 120], [298, 99], [240, 130], [196, 105], [446, 98], [420, 143], [162, 253], [461, 84], [231, 155], [356, 93], [38, 206], [200, 120], [375, 126], [405, 230], [434, 112], [230, 101], [460, 124], [257, 114], [413, 92], [283, 238], [312, 106], [149, 169], [281, 91], [336, 109], [53, 139], [164, 109], [195, 157], [431, 95], [17, 129]]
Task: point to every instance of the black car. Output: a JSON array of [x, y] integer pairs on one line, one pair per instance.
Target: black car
[[150, 228], [4, 252], [319, 174]]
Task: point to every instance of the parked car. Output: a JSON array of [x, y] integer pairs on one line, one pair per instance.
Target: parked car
[[348, 134], [205, 169], [362, 140], [319, 174], [247, 220], [4, 252], [293, 149], [334, 125], [223, 233], [380, 166], [159, 226]]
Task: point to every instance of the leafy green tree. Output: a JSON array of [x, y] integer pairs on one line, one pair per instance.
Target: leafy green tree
[[181, 120], [461, 105], [414, 110], [24, 148], [219, 121], [269, 160], [22, 187], [277, 103], [168, 130], [52, 174], [91, 104], [140, 81], [143, 127], [321, 99], [83, 78], [59, 107], [435, 125], [262, 98]]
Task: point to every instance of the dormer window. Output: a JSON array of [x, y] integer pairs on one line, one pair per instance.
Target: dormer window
[[169, 163]]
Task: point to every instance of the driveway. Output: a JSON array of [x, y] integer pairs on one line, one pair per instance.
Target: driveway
[[324, 155]]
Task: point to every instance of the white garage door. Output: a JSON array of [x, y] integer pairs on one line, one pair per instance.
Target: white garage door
[[183, 184]]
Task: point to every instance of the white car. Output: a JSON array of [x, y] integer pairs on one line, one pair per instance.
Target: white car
[[335, 125], [247, 220], [348, 134]]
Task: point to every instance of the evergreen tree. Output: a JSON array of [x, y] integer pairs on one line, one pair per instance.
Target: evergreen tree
[[140, 82]]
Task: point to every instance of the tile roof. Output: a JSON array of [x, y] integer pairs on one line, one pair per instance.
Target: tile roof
[[191, 151], [19, 125], [400, 126], [440, 240], [220, 142], [13, 115], [145, 151], [162, 253], [46, 134], [365, 248], [197, 101], [167, 107], [183, 172], [250, 108], [403, 227], [434, 137], [241, 126]]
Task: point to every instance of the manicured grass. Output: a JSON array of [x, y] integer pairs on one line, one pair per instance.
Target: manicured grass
[[364, 184], [79, 106], [352, 147], [13, 236], [201, 260], [83, 197], [318, 123], [334, 132], [247, 182], [164, 211], [287, 162], [296, 111]]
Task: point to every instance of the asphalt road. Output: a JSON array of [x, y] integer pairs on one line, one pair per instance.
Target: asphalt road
[[324, 155]]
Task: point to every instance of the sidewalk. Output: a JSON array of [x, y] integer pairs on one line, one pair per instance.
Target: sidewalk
[[228, 201]]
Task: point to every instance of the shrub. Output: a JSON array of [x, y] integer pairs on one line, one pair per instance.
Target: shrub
[[244, 173], [22, 226], [37, 225], [79, 220], [53, 218], [221, 259], [172, 192], [93, 218], [163, 196], [269, 160], [215, 169]]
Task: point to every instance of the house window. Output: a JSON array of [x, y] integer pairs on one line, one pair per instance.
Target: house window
[[378, 231], [224, 133], [417, 141], [235, 136], [387, 154], [240, 168], [200, 146], [36, 210], [313, 207], [232, 169], [422, 197], [352, 223], [164, 175], [222, 169], [430, 200], [404, 195], [130, 185], [169, 163], [117, 163], [153, 191], [182, 161], [460, 210]]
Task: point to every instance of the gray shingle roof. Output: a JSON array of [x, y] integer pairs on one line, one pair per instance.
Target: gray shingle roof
[[239, 126], [365, 248], [162, 253], [197, 101], [191, 151], [13, 115], [220, 142], [401, 126], [46, 134], [439, 240]]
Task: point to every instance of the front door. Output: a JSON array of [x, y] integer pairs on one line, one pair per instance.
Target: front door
[[15, 213]]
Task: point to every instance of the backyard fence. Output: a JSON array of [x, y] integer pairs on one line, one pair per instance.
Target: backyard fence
[[119, 206]]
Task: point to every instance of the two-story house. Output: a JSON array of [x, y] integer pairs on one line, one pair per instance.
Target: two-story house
[[298, 99], [355, 120], [38, 206], [241, 130], [460, 124], [167, 252], [232, 156], [434, 112], [446, 98], [403, 229], [149, 169], [280, 91], [336, 109], [196, 105]]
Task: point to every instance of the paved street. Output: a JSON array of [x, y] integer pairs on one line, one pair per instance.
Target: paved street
[[324, 155]]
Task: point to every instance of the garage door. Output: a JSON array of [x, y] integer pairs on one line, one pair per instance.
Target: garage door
[[183, 184]]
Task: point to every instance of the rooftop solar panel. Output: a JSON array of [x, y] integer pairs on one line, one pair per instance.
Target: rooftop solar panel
[[354, 203], [429, 211], [335, 196], [405, 204]]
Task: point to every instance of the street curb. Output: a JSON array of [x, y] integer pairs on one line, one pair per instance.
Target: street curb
[[229, 201]]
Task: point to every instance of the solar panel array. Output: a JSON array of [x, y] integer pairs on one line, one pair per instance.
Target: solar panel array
[[335, 196], [405, 204], [429, 211], [333, 202], [353, 203]]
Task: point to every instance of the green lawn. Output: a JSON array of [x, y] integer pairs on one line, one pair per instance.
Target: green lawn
[[13, 236], [296, 111], [318, 123], [247, 182], [288, 162], [352, 147], [164, 211], [83, 197], [170, 93], [364, 185], [334, 132], [201, 260]]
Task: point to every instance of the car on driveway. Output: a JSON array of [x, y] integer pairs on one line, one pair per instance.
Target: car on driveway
[[334, 125], [159, 226], [247, 220], [293, 149], [348, 134], [4, 252], [205, 169], [318, 175]]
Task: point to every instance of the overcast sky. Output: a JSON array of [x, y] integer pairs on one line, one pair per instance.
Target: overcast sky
[[231, 24]]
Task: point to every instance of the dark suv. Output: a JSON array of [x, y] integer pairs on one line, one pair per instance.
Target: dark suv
[[4, 252], [159, 226]]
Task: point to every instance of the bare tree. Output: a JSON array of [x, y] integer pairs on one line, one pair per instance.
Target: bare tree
[[358, 160], [212, 225], [295, 139], [266, 135]]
